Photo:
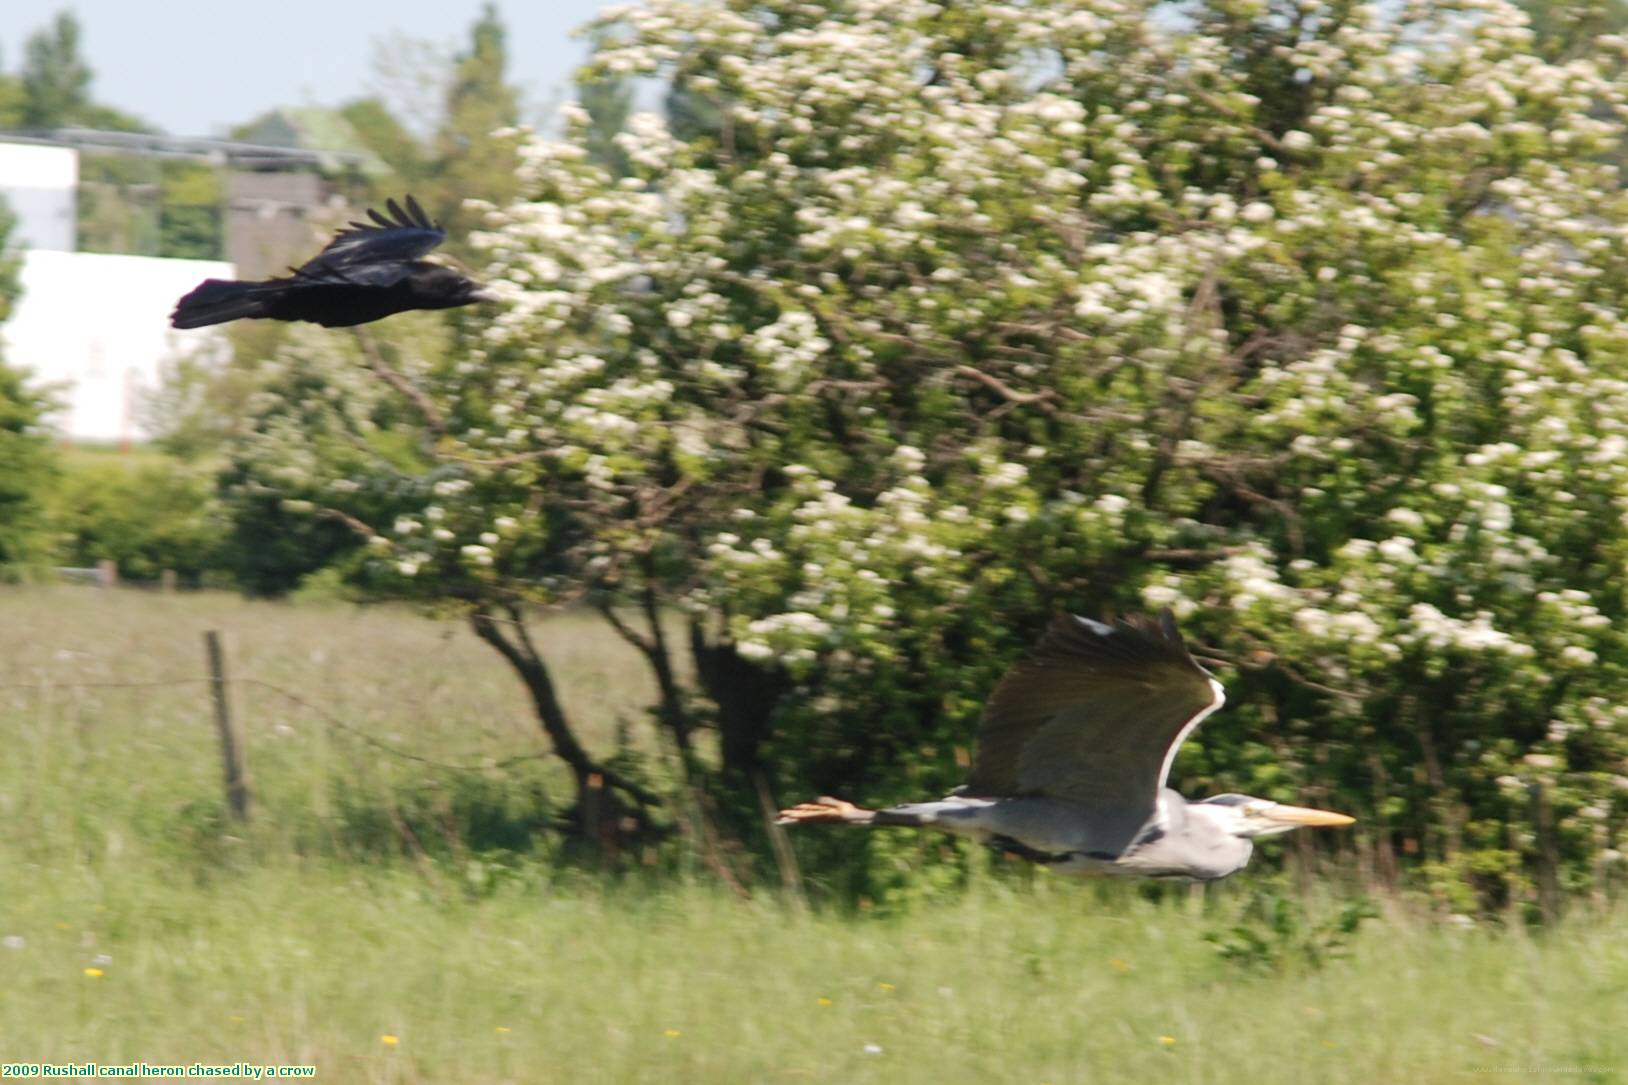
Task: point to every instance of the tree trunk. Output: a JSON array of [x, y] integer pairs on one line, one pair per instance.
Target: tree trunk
[[675, 714], [673, 711], [746, 695], [601, 816]]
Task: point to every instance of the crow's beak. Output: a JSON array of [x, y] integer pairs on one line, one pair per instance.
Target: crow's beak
[[483, 293]]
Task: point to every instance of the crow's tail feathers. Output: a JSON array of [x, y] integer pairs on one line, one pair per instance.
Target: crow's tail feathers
[[215, 301]]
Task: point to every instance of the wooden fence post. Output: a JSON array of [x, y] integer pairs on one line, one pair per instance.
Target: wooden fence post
[[237, 788], [107, 573]]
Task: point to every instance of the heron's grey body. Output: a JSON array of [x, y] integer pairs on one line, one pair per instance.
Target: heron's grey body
[[1181, 840], [1073, 754]]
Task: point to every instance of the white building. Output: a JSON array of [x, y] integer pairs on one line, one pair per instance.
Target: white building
[[93, 327], [38, 184]]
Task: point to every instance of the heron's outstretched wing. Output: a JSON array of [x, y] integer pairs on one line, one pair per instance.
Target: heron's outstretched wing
[[1094, 717], [377, 254]]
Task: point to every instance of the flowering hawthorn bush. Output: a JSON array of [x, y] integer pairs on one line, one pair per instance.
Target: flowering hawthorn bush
[[1304, 319]]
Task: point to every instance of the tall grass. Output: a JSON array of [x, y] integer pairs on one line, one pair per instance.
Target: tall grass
[[617, 982], [301, 939], [366, 729]]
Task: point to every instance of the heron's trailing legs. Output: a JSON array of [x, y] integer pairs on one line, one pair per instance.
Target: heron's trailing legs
[[827, 809], [962, 816]]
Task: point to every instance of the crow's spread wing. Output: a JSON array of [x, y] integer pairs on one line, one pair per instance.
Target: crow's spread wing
[[379, 254]]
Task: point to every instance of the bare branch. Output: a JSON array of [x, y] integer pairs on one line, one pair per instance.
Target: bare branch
[[517, 647], [349, 521], [505, 461], [1262, 659], [1041, 399], [625, 631], [1236, 485], [658, 506], [375, 361], [1179, 556]]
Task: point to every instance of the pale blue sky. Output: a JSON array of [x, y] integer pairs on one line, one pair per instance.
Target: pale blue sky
[[196, 67]]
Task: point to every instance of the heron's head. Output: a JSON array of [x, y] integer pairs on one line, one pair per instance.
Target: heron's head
[[1247, 816]]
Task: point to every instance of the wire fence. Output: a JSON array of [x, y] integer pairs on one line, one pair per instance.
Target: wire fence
[[333, 722]]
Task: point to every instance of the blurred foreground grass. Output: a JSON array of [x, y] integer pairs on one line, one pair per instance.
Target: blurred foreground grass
[[301, 940], [550, 982]]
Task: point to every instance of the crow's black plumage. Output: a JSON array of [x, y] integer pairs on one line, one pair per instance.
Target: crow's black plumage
[[364, 273]]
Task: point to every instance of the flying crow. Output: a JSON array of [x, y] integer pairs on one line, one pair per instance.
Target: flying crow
[[365, 273]]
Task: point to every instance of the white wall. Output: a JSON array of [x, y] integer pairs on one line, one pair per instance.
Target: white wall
[[39, 185], [99, 325]]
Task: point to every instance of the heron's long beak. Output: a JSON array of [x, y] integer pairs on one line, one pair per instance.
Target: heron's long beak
[[1306, 815]]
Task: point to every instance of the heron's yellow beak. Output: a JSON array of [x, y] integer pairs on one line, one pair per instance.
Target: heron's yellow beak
[[1306, 815]]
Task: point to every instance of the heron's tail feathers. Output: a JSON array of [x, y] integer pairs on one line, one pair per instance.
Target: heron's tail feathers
[[826, 809]]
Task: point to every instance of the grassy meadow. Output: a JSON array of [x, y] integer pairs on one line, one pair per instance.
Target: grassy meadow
[[139, 924]]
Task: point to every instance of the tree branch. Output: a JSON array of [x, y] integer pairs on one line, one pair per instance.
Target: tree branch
[[625, 631], [505, 461], [349, 521], [523, 657], [1041, 399], [375, 361]]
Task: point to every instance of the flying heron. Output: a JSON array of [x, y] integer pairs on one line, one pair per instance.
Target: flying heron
[[1073, 753]]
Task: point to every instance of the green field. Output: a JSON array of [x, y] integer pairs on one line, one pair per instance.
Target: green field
[[319, 931]]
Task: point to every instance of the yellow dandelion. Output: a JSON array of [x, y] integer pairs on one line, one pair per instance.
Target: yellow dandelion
[[1167, 1040], [95, 973], [389, 1041], [885, 986], [235, 1019], [1119, 965], [672, 1034], [503, 1028], [823, 1001], [62, 926]]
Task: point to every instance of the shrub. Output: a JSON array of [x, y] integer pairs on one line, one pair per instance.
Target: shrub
[[1303, 319], [146, 513]]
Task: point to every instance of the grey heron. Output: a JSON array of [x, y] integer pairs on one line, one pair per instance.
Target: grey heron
[[1073, 754]]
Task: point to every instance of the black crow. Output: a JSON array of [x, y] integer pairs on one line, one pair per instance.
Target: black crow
[[365, 273]]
